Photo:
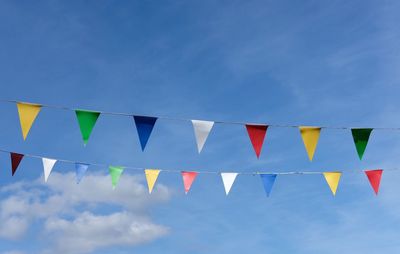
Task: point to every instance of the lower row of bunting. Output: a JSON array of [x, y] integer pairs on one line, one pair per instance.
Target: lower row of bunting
[[228, 178]]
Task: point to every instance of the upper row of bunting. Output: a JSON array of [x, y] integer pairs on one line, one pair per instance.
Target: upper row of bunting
[[144, 124]]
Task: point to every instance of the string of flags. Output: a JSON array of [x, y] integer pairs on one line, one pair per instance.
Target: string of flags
[[87, 119], [268, 179], [28, 112]]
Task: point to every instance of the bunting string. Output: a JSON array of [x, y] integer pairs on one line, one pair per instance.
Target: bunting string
[[102, 165], [28, 112], [87, 119], [332, 178], [187, 119]]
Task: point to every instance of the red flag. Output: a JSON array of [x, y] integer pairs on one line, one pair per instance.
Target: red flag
[[257, 135], [374, 177], [15, 160], [188, 179]]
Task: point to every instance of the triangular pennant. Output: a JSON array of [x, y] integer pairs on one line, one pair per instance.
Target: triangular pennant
[[361, 137], [374, 177], [201, 131], [144, 126], [188, 178], [48, 165], [332, 178], [268, 181], [257, 135], [151, 177], [80, 169], [15, 160], [27, 114], [228, 179], [115, 173], [86, 120], [310, 136]]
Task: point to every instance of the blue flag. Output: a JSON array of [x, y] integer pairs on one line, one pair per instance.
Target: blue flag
[[268, 181], [81, 169], [144, 126]]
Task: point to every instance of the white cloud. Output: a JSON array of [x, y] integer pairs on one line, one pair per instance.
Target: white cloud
[[25, 202], [13, 227], [88, 231]]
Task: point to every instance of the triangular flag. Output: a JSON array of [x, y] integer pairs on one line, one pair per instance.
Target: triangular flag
[[15, 160], [361, 137], [228, 179], [27, 114], [80, 169], [48, 165], [86, 120], [115, 173], [268, 181], [310, 136], [257, 135], [374, 177], [151, 177], [144, 126], [332, 178], [201, 131], [188, 178]]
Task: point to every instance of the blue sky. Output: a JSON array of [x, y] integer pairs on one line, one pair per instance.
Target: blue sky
[[285, 62]]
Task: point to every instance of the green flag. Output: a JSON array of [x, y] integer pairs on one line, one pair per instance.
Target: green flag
[[115, 173], [86, 120], [361, 137]]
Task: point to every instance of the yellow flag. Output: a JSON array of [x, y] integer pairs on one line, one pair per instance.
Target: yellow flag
[[332, 178], [310, 136], [27, 115], [151, 177]]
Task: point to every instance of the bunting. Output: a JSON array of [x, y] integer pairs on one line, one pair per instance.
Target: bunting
[[27, 114], [332, 178], [228, 179], [257, 135], [361, 137], [268, 181], [374, 177], [15, 160], [86, 120], [80, 171], [115, 173], [201, 131], [310, 136], [151, 177], [144, 126], [188, 179], [48, 165]]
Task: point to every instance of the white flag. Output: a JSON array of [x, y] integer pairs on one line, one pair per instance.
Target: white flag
[[48, 165], [228, 179], [201, 131]]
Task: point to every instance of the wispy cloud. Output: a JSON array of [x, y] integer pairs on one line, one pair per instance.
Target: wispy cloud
[[71, 214]]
